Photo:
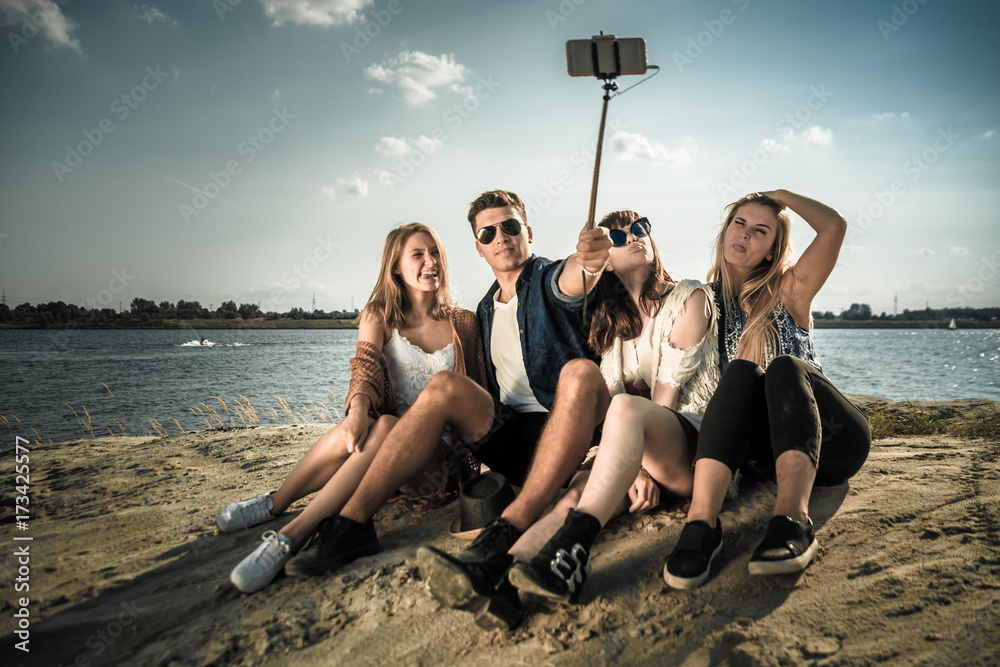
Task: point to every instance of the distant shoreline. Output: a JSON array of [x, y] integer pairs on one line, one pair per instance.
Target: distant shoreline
[[289, 323], [903, 324], [199, 325]]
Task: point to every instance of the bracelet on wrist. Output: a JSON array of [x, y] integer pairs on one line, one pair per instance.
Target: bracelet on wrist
[[592, 274]]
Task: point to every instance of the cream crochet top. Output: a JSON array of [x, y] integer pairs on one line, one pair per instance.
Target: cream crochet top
[[694, 371]]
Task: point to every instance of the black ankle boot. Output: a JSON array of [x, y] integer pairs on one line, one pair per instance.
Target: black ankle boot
[[475, 580], [561, 567], [337, 541]]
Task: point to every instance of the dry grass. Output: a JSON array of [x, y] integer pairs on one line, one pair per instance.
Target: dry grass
[[917, 420], [222, 416]]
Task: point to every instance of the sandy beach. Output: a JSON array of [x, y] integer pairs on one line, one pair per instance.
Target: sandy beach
[[127, 567]]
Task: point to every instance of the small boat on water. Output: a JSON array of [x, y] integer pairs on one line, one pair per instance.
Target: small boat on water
[[952, 325]]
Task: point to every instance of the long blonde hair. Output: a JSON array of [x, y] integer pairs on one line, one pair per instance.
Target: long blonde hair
[[389, 299], [758, 295]]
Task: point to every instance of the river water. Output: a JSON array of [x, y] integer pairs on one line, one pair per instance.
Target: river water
[[47, 375]]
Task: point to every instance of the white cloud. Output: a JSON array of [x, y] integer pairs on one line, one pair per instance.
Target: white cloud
[[43, 16], [852, 249], [633, 147], [327, 191], [811, 136], [817, 135], [959, 250], [374, 91], [988, 134], [314, 12], [418, 74], [149, 15], [391, 146], [891, 115], [926, 252], [355, 185]]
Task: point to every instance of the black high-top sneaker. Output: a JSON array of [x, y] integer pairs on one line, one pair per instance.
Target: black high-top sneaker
[[476, 579], [561, 567], [338, 541]]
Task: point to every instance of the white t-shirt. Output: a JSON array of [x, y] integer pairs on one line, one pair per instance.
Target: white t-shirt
[[505, 350]]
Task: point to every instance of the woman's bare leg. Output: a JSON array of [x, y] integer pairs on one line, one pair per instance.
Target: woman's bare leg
[[711, 481], [637, 433], [316, 468], [542, 530], [339, 487], [795, 474]]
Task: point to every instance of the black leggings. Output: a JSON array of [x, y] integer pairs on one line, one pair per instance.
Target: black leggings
[[755, 416]]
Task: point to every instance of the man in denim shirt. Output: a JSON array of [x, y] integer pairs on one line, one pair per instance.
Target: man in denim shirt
[[533, 330]]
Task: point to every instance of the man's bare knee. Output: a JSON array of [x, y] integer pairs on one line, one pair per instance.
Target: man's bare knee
[[444, 388]]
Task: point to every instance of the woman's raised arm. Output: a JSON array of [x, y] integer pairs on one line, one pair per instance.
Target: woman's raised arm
[[805, 278]]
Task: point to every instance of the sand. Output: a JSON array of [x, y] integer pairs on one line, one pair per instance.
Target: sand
[[127, 567]]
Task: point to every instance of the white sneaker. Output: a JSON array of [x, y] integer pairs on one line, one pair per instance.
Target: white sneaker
[[261, 567], [245, 514]]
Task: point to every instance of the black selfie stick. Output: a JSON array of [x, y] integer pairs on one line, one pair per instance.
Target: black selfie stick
[[609, 86]]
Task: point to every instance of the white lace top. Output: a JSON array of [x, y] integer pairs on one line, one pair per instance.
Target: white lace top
[[410, 368]]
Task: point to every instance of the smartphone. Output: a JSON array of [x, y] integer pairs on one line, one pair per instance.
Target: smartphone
[[605, 56]]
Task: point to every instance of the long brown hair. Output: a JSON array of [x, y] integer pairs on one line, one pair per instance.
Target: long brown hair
[[758, 295], [389, 299], [616, 314]]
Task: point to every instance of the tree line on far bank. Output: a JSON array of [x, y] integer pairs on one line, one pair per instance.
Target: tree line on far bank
[[862, 311], [147, 312]]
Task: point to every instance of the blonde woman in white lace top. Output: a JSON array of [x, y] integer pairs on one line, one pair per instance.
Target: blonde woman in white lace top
[[659, 356]]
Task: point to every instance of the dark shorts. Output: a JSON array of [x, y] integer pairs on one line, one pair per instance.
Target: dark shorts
[[509, 447]]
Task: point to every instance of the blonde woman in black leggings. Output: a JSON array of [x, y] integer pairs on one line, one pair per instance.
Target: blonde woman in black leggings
[[774, 411]]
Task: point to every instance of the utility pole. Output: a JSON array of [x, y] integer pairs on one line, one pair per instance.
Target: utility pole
[[314, 302], [3, 299], [895, 303]]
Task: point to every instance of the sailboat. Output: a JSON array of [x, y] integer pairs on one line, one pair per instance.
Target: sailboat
[[952, 325]]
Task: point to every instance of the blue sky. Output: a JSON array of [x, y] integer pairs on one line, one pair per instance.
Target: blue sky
[[259, 150]]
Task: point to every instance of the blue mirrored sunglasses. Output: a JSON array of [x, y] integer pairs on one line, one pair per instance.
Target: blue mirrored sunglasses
[[639, 228]]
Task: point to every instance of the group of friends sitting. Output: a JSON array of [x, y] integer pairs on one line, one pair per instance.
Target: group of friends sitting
[[597, 384]]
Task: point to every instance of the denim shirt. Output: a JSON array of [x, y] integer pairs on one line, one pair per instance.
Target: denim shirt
[[550, 325]]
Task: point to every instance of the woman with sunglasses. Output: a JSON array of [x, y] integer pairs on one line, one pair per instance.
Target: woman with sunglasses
[[773, 408], [659, 358], [409, 330]]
